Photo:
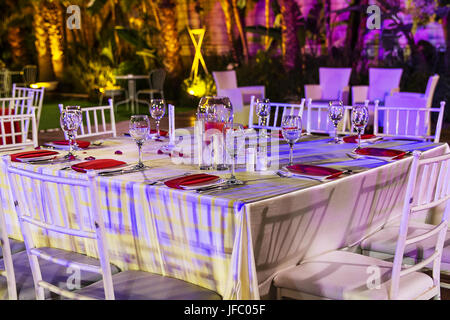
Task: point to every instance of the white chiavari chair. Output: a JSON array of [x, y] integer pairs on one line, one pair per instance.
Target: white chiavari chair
[[433, 188], [14, 131], [408, 122], [53, 204], [318, 121], [37, 96], [94, 121], [342, 274], [278, 111]]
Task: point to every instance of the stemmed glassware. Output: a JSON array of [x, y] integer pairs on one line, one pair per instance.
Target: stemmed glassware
[[157, 111], [234, 144], [139, 130], [336, 113], [360, 117], [291, 128], [70, 121], [263, 112]]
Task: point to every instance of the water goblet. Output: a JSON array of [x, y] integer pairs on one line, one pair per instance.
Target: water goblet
[[157, 111], [70, 121], [139, 129], [263, 112], [291, 128], [234, 144], [336, 113], [360, 118]]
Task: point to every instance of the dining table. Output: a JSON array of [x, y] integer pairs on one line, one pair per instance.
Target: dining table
[[233, 240]]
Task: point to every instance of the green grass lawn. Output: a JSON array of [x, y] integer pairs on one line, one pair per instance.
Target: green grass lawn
[[50, 111]]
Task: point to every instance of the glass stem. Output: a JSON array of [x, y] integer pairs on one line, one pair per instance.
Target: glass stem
[[291, 154], [359, 139], [157, 129], [336, 138], [70, 143], [140, 164], [233, 169]]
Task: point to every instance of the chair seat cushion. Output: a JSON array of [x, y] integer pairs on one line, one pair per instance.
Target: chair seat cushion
[[344, 275], [15, 245], [385, 241], [141, 285], [53, 273]]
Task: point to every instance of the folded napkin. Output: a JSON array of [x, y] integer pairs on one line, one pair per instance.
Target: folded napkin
[[97, 165], [354, 139], [193, 179], [162, 133], [32, 154], [317, 171], [82, 144], [214, 125], [380, 152]]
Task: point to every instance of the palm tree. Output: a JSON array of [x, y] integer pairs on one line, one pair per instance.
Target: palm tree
[[169, 37], [240, 27], [228, 14], [289, 41], [43, 52]]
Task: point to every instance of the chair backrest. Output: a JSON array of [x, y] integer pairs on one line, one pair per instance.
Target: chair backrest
[[318, 121], [37, 98], [14, 131], [225, 79], [428, 187], [99, 127], [54, 204], [431, 87], [29, 73], [333, 81], [278, 111], [157, 78], [382, 81], [408, 122], [19, 106]]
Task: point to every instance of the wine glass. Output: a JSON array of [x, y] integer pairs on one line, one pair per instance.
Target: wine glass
[[234, 143], [263, 112], [157, 111], [336, 113], [139, 129], [291, 128], [70, 121], [360, 117]]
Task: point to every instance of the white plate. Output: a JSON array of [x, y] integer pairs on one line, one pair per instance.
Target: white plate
[[203, 185], [42, 158]]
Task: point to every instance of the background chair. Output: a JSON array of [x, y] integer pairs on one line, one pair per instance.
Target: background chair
[[333, 85], [16, 114], [29, 76], [278, 110], [240, 97], [410, 122], [37, 96], [341, 274], [382, 83], [5, 83], [415, 100], [99, 127], [156, 84]]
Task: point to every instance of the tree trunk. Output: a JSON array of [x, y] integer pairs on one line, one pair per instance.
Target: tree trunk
[[267, 20], [42, 45], [53, 20], [17, 43], [289, 40], [171, 44], [228, 14], [239, 24]]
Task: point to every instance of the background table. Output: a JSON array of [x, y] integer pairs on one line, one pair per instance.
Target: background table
[[234, 241], [132, 98]]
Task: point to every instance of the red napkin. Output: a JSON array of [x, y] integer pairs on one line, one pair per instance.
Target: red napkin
[[97, 164], [81, 144], [193, 179], [214, 125], [380, 152], [32, 154], [162, 133], [314, 170], [354, 139]]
